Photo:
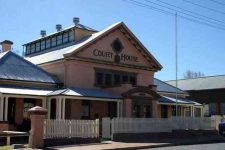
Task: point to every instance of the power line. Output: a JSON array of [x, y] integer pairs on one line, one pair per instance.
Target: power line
[[211, 9], [171, 13], [190, 12], [217, 2]]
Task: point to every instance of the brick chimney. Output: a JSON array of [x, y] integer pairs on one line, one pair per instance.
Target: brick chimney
[[6, 45]]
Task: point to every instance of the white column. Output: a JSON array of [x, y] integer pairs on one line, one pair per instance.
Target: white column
[[58, 108], [44, 105], [49, 107], [202, 112], [1, 108], [191, 111], [63, 107], [6, 109]]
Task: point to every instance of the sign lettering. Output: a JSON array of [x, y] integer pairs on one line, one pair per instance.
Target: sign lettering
[[110, 55]]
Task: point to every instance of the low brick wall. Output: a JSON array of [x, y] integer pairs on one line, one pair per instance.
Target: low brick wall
[[4, 126], [69, 141], [177, 136]]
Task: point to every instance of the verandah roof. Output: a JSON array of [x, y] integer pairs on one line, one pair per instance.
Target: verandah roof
[[76, 92], [24, 91], [85, 92], [180, 101]]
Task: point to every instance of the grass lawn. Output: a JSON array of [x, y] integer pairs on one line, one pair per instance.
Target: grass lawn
[[5, 147]]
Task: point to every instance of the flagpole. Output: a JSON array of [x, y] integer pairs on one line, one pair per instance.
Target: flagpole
[[176, 61]]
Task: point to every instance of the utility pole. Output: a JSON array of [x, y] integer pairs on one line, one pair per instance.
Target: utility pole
[[176, 61]]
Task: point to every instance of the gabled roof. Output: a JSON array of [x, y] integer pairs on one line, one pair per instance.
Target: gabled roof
[[14, 67], [166, 88], [202, 83], [68, 51]]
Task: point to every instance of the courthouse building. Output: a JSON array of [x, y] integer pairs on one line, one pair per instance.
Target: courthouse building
[[81, 73]]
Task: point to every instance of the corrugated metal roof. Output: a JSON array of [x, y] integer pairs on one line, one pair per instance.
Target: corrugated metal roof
[[59, 54], [167, 88], [14, 67], [171, 100], [202, 83], [24, 91], [85, 92]]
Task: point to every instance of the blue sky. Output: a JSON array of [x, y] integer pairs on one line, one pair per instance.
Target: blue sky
[[200, 48]]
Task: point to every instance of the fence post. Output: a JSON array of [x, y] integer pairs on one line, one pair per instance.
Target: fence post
[[37, 116], [112, 127], [106, 128]]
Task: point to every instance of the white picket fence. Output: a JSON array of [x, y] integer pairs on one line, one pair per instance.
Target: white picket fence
[[71, 128], [154, 125]]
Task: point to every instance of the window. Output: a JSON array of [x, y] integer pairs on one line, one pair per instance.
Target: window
[[32, 48], [136, 111], [71, 36], [108, 79], [48, 43], [125, 79], [117, 79], [99, 78], [133, 80], [28, 49], [53, 41], [43, 45], [37, 46], [65, 37], [59, 39]]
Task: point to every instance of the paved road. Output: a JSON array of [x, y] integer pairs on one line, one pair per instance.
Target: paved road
[[216, 146]]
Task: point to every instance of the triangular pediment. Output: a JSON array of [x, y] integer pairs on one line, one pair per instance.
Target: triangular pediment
[[118, 46], [142, 93]]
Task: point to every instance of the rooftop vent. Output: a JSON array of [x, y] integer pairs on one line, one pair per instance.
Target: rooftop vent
[[58, 27], [76, 21], [43, 33]]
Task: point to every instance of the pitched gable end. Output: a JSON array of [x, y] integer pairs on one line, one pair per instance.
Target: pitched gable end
[[116, 45]]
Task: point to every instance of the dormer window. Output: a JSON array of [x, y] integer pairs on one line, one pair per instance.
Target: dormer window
[[38, 48], [53, 41], [43, 45], [65, 37], [59, 39], [48, 43], [32, 48]]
